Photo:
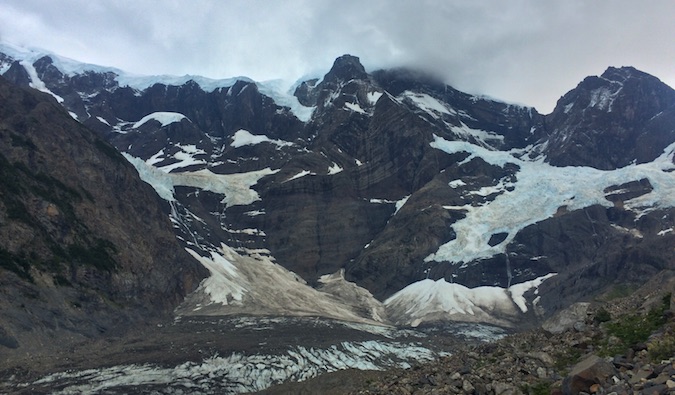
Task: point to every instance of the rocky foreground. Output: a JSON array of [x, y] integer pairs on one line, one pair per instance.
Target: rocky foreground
[[622, 346]]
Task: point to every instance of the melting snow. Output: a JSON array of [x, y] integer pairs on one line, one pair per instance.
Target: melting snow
[[517, 291], [185, 157], [456, 183], [463, 131], [156, 158], [400, 203]]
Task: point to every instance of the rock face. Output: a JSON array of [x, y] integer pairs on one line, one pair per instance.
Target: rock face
[[623, 116], [85, 245], [397, 178]]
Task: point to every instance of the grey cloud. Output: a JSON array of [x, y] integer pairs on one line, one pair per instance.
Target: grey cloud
[[524, 51]]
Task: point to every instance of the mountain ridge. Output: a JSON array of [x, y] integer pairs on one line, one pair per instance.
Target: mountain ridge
[[72, 213], [386, 168]]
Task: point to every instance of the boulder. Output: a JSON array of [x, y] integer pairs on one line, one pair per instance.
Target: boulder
[[590, 371], [566, 319]]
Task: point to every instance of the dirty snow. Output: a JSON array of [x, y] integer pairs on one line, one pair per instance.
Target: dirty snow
[[240, 373], [236, 188], [428, 300], [252, 283]]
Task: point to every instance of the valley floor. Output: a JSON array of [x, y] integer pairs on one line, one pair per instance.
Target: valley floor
[[216, 354]]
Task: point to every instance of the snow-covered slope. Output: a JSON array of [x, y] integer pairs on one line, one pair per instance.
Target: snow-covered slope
[[539, 191]]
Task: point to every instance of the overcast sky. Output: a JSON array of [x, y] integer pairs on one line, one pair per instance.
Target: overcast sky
[[523, 51]]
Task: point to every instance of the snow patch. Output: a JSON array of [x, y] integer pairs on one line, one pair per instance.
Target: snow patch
[[36, 82], [428, 104], [334, 169], [236, 188], [163, 117], [517, 291], [355, 107], [243, 137], [665, 232], [373, 97], [103, 121], [301, 174]]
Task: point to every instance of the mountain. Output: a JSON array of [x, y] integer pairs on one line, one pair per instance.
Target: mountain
[[389, 196], [74, 216]]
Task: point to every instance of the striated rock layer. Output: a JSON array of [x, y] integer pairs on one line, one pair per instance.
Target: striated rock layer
[[86, 247]]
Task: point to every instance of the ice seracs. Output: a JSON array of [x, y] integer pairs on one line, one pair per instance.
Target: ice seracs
[[537, 194]]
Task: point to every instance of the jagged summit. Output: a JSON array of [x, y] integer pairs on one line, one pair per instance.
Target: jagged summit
[[345, 68], [623, 73], [612, 120]]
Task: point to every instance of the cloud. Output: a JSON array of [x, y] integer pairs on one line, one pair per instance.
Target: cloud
[[523, 51]]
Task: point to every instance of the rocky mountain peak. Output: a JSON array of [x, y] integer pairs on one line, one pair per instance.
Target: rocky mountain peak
[[611, 120], [621, 74], [345, 68], [347, 71]]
